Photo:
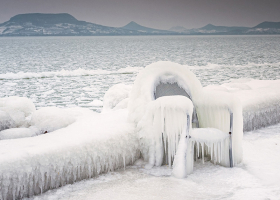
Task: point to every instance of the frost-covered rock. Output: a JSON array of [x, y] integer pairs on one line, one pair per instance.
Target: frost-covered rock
[[6, 121], [18, 103], [51, 118], [18, 108], [115, 95], [14, 133]]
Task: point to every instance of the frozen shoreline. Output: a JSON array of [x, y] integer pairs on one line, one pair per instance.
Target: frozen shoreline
[[256, 178], [93, 143]]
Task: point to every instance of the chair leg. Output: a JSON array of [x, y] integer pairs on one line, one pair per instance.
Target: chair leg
[[230, 151]]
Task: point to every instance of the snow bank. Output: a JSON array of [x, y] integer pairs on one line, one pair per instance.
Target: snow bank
[[94, 144], [116, 97], [18, 108], [260, 100]]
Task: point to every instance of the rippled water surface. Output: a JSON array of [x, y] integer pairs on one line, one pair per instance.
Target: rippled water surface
[[70, 71]]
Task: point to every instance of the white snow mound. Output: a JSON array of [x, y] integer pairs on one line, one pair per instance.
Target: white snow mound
[[115, 95], [51, 118]]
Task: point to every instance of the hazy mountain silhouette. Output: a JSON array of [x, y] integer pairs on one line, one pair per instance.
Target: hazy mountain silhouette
[[137, 27], [63, 24], [275, 25]]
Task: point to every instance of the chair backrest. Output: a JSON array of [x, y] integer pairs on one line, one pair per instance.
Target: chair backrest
[[171, 89]]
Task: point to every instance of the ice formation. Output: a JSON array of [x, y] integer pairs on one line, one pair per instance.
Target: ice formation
[[18, 108], [161, 128], [116, 97], [260, 100], [14, 133], [213, 107], [51, 118], [93, 144], [83, 144], [6, 121]]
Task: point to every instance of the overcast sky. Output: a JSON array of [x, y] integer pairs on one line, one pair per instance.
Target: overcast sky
[[161, 14]]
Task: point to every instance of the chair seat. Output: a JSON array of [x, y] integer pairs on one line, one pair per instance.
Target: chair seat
[[210, 142], [208, 135]]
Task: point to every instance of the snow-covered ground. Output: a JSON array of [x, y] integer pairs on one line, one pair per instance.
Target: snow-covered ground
[[256, 178]]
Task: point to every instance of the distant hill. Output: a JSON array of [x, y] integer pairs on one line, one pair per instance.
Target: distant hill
[[40, 19], [275, 25], [210, 28], [63, 24], [136, 27], [263, 28]]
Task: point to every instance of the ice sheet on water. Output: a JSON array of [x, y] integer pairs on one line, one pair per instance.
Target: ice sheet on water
[[67, 73]]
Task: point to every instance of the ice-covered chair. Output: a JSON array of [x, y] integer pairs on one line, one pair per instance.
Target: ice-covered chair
[[211, 111]]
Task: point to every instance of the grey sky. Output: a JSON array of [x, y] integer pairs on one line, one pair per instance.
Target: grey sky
[[161, 14]]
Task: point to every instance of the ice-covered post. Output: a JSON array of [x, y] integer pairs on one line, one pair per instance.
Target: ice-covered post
[[230, 140], [183, 162]]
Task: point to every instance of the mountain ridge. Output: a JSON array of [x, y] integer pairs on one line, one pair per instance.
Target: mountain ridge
[[64, 24], [137, 27]]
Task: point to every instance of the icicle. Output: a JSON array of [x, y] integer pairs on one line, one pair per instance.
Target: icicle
[[202, 151]]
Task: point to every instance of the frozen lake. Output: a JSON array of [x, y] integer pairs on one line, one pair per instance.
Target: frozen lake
[[71, 71]]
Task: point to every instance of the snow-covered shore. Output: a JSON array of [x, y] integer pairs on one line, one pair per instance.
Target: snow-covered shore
[[81, 144], [256, 178]]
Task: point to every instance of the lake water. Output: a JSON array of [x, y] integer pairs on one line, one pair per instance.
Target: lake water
[[71, 71]]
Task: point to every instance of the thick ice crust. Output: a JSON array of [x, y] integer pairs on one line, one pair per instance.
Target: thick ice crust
[[260, 101], [92, 145]]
